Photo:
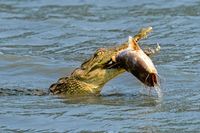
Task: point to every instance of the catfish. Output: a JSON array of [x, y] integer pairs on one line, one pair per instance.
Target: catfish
[[134, 60]]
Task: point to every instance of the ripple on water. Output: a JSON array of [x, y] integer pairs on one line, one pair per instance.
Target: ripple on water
[[41, 41]]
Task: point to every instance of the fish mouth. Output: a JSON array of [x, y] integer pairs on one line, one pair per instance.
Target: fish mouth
[[151, 80]]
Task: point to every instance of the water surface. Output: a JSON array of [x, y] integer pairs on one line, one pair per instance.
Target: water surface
[[42, 40]]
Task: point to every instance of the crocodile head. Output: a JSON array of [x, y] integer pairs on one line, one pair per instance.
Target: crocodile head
[[100, 68]]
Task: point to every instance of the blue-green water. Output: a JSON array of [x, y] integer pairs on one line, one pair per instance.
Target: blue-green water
[[42, 40]]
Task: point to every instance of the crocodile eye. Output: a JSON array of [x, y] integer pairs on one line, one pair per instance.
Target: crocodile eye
[[100, 51]]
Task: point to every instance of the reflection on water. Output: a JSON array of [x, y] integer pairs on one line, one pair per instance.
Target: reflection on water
[[41, 41], [115, 99]]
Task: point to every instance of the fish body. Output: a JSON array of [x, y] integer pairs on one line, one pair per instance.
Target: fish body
[[135, 61]]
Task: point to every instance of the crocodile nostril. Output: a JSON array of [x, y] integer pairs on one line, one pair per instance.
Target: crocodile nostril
[[55, 88], [52, 88]]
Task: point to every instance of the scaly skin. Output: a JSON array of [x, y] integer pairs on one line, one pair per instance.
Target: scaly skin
[[142, 33], [93, 74]]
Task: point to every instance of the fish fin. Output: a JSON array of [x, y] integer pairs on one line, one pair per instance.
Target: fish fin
[[132, 44]]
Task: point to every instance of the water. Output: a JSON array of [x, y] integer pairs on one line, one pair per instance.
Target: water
[[41, 41]]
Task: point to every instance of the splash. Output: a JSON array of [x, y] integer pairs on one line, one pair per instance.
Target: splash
[[158, 91]]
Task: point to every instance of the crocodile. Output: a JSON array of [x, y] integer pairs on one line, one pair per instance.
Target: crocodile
[[95, 72]]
